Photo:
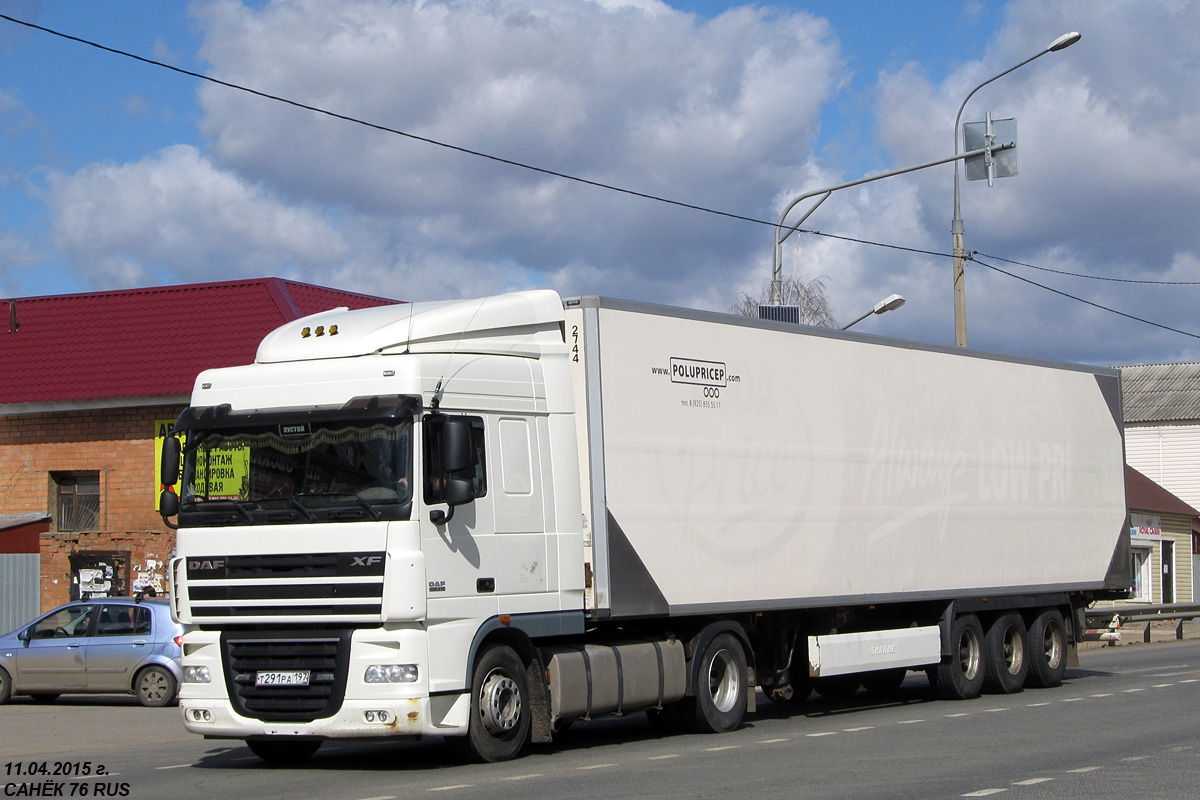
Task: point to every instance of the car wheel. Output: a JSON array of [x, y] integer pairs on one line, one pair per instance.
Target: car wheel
[[5, 686], [500, 712], [155, 687]]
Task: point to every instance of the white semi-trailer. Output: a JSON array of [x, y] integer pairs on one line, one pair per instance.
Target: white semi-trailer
[[484, 519]]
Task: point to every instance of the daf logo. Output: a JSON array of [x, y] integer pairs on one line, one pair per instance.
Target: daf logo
[[365, 561], [216, 563]]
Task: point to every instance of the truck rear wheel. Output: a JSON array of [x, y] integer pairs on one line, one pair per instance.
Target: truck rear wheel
[[960, 677], [721, 691], [500, 710], [1005, 661], [1047, 650]]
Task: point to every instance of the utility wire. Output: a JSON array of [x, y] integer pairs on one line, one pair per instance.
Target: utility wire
[[609, 187], [1081, 275], [384, 128], [1086, 302]]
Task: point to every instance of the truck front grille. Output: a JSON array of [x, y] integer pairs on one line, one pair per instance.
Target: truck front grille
[[324, 655], [305, 587]]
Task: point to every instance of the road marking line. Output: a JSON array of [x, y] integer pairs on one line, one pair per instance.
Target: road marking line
[[772, 741], [1191, 680], [826, 733], [596, 766], [856, 730], [1085, 769], [382, 797], [1131, 691], [984, 792], [524, 777], [1135, 758], [909, 721], [1105, 694], [960, 714], [660, 758], [173, 766], [722, 747], [1162, 685], [1035, 705], [1032, 781], [994, 710], [455, 786], [1071, 699]]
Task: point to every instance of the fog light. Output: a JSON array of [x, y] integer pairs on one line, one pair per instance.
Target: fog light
[[200, 715], [377, 716], [391, 673], [196, 675]]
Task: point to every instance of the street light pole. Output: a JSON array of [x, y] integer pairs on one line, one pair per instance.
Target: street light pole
[[956, 225]]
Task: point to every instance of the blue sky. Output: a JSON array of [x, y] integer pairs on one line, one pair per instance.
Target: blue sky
[[114, 173]]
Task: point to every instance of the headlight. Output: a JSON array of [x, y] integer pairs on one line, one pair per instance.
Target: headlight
[[196, 675], [391, 673]]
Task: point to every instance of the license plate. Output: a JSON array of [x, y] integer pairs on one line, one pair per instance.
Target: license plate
[[295, 677]]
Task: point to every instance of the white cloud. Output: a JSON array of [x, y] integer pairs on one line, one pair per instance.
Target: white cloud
[[175, 214]]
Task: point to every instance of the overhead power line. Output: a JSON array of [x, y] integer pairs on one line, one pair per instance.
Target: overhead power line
[[607, 186], [1086, 302], [1084, 275]]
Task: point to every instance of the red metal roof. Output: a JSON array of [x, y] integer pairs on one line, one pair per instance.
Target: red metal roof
[[146, 342], [1145, 495]]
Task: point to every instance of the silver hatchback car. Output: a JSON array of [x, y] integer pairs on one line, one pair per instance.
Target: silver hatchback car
[[110, 644]]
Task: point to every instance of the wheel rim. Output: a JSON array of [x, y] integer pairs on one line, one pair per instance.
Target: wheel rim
[[499, 703], [153, 686], [723, 681], [1014, 650], [1052, 646], [969, 654]]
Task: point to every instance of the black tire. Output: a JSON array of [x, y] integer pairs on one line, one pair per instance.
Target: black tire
[[1006, 655], [155, 687], [1047, 650], [500, 708], [960, 677], [722, 686], [45, 697], [5, 686], [838, 687], [283, 749], [884, 681]]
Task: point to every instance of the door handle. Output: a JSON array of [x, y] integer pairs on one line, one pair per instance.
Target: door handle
[[72, 647]]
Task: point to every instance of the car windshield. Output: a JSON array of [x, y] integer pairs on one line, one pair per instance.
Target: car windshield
[[298, 472]]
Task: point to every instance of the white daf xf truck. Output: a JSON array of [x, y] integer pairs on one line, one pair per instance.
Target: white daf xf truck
[[484, 519]]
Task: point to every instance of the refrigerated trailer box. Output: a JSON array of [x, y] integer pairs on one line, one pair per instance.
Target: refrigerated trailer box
[[484, 519]]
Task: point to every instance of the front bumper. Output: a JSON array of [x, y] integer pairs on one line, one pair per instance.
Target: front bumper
[[357, 719]]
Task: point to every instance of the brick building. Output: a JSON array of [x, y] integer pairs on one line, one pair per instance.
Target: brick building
[[87, 384]]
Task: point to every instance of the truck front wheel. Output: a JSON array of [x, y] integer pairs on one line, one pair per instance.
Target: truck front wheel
[[722, 687], [960, 677], [500, 710]]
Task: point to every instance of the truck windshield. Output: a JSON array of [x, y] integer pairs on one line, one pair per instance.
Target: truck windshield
[[310, 471]]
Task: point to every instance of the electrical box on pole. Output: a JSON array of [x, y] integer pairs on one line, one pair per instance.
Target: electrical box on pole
[[984, 136]]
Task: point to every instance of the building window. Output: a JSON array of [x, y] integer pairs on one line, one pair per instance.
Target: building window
[[78, 501]]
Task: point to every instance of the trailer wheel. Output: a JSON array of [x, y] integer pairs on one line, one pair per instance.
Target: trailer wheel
[[1005, 661], [283, 749], [1047, 650], [500, 720], [720, 701], [960, 677]]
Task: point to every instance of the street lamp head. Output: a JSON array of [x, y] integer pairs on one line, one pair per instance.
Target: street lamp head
[[1063, 42], [888, 304]]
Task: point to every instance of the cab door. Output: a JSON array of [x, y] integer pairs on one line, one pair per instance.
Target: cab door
[[52, 659]]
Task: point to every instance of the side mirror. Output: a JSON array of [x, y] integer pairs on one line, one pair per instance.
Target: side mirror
[[24, 635], [169, 469], [456, 446], [168, 503]]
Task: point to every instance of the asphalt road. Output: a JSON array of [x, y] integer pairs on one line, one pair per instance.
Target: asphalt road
[[1122, 726]]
